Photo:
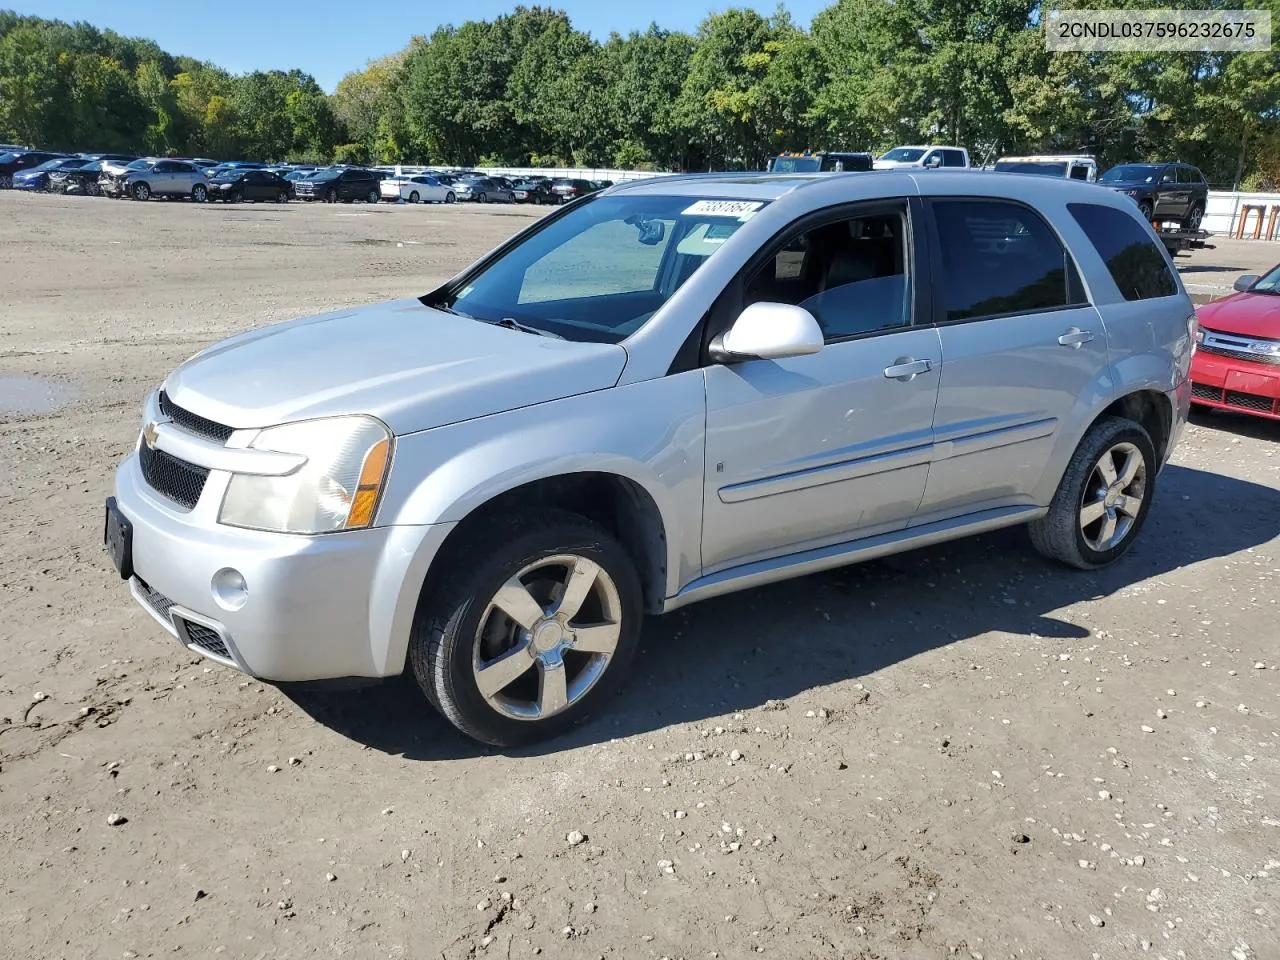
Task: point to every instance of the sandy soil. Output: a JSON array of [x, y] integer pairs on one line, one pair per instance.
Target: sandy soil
[[960, 752]]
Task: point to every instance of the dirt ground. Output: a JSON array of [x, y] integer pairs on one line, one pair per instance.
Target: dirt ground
[[960, 752]]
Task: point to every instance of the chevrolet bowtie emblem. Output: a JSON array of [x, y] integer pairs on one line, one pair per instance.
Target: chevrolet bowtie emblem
[[150, 434]]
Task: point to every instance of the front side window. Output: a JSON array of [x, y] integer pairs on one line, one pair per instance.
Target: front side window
[[1134, 261], [850, 274], [1000, 258], [600, 271]]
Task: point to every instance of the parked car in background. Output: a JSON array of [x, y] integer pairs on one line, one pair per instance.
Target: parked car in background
[[114, 172], [13, 163], [217, 169], [142, 180], [1163, 191], [37, 178], [534, 190], [484, 190], [81, 180], [344, 184], [926, 157], [236, 185], [1237, 361], [489, 486], [565, 189], [1072, 167], [825, 161], [416, 188]]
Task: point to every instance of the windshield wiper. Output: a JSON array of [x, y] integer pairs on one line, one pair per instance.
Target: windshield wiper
[[511, 324]]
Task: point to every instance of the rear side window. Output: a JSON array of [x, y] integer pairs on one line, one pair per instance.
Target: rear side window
[[952, 158], [1135, 262], [1001, 258]]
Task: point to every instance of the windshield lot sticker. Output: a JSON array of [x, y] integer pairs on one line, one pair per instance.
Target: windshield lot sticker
[[722, 208]]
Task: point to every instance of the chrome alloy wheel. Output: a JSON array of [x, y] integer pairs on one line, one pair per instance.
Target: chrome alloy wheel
[[547, 637], [1113, 497]]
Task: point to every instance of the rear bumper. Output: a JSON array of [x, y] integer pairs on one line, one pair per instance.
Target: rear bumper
[[1239, 385]]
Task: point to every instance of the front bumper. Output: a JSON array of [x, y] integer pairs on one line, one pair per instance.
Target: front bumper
[[1240, 385], [317, 608]]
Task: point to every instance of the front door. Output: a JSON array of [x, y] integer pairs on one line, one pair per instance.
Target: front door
[[1021, 347], [816, 450], [1171, 198]]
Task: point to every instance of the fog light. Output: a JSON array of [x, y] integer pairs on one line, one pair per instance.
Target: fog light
[[229, 589]]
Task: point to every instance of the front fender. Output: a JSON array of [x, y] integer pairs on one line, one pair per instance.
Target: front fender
[[651, 433]]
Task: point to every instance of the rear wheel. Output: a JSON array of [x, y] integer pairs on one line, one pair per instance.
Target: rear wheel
[[331, 196], [531, 625], [414, 198], [1103, 497], [141, 191], [1194, 218]]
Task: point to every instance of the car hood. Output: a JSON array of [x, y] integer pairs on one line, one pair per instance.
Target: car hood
[[1247, 314], [410, 365]]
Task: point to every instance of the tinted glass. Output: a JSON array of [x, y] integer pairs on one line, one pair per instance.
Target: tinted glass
[[1142, 172], [904, 154], [952, 158], [1135, 262], [851, 275], [1000, 258], [165, 166], [1043, 167]]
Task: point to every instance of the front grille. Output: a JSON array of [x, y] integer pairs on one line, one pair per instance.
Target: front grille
[[155, 600], [1272, 359], [1250, 402], [206, 639], [1205, 392], [193, 422], [176, 479]]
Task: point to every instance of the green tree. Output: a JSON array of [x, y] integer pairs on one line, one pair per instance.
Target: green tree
[[31, 81]]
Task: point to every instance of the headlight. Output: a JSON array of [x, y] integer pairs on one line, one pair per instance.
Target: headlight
[[336, 489]]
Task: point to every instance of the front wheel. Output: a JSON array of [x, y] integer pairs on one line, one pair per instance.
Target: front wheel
[[483, 198], [282, 196], [1103, 497], [331, 196], [531, 625], [450, 198], [141, 191], [199, 193], [1147, 210]]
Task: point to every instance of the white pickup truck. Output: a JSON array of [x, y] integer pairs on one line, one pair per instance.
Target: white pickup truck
[[926, 157]]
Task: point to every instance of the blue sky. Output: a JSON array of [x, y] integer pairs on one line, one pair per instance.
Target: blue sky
[[329, 38]]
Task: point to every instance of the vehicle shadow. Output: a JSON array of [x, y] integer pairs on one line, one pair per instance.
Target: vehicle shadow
[[1206, 268], [1240, 424], [773, 643]]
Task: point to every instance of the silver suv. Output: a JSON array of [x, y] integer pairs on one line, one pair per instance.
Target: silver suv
[[662, 392]]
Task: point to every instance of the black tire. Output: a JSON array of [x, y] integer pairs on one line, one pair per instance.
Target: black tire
[[414, 197], [375, 196], [450, 197], [447, 623], [141, 191], [331, 196], [1059, 534], [1147, 209], [483, 198], [1194, 218], [199, 193], [282, 196]]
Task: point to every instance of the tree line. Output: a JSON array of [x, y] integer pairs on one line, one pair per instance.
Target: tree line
[[528, 89]]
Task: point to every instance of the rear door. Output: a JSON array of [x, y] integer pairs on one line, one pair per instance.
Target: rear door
[[1020, 346]]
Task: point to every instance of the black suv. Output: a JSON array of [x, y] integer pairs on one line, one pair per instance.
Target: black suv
[[345, 185], [1162, 191]]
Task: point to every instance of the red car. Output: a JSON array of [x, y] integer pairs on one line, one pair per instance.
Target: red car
[[1236, 365]]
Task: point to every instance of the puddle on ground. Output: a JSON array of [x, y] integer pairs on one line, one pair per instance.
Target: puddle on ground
[[26, 395]]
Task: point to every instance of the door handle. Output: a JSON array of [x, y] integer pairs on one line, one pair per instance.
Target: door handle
[[905, 368], [1075, 337]]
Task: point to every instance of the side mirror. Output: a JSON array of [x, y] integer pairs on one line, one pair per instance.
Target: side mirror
[[1245, 282], [933, 163], [769, 331]]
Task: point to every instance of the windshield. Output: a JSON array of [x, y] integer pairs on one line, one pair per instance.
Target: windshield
[[599, 272], [1130, 171], [1044, 167], [49, 164], [9, 157], [140, 165], [904, 154], [1269, 283], [796, 164]]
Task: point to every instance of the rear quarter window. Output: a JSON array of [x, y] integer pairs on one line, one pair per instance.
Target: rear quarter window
[[1133, 259]]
